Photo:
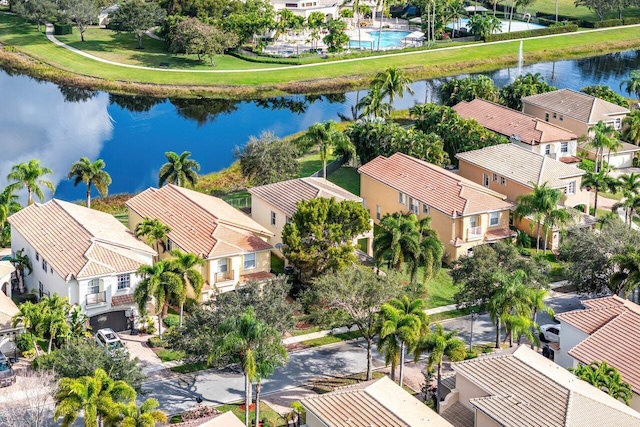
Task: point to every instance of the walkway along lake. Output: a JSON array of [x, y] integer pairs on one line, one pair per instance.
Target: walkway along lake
[[61, 124]]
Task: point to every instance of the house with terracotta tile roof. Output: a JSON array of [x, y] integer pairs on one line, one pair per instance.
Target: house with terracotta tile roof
[[513, 171], [579, 113], [520, 387], [463, 213], [608, 329], [272, 205], [235, 247], [85, 255], [526, 131], [379, 402]]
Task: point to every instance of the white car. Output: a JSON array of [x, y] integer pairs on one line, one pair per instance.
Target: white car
[[550, 333], [109, 340]]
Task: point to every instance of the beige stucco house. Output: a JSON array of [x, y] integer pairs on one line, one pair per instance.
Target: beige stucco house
[[235, 247], [273, 205], [463, 213], [520, 387], [513, 171], [84, 255], [379, 402], [579, 113], [526, 131], [608, 329]]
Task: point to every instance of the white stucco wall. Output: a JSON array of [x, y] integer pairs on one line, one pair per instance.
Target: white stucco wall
[[570, 336]]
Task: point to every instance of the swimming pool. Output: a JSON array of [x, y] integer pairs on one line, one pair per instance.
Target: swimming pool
[[515, 25], [388, 39]]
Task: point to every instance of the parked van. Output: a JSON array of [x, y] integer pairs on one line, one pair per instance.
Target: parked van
[[7, 376]]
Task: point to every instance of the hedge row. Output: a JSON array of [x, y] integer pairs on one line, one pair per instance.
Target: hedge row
[[531, 33]]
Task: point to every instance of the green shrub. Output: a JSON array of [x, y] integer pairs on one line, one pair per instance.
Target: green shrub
[[524, 252], [531, 33], [523, 240], [172, 320], [635, 162], [25, 341], [607, 23], [630, 21], [170, 355], [155, 342], [62, 29], [471, 355]]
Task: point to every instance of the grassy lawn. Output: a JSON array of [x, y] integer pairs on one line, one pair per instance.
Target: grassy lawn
[[348, 178], [187, 368], [557, 272], [438, 317], [311, 163], [422, 64], [614, 196], [332, 339], [440, 289], [568, 8], [170, 355], [266, 413]]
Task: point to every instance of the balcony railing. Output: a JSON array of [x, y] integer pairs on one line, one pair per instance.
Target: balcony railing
[[474, 233], [223, 276], [98, 298]]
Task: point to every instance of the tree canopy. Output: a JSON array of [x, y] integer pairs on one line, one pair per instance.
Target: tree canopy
[[135, 16], [268, 159]]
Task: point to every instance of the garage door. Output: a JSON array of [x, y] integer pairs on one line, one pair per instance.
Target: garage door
[[115, 320]]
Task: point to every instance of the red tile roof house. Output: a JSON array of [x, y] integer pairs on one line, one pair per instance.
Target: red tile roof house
[[463, 213], [579, 113], [608, 329], [526, 131], [235, 247], [82, 254]]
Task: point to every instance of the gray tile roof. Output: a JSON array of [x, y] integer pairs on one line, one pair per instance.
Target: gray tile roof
[[521, 165]]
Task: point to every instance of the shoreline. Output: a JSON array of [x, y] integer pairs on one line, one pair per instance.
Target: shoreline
[[451, 62]]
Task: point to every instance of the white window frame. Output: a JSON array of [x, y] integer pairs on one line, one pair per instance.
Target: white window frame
[[618, 123], [37, 256], [414, 206], [92, 285], [503, 181], [494, 216], [564, 147], [222, 266], [402, 198], [485, 180], [124, 282], [547, 149], [495, 177], [571, 188], [250, 261], [378, 212], [274, 218], [546, 117], [473, 221], [425, 209], [45, 265]]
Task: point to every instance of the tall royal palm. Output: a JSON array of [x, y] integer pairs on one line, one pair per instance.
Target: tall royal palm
[[95, 396], [9, 205], [92, 174], [244, 338], [398, 240], [629, 185], [598, 182], [602, 139], [23, 267], [537, 205], [402, 323], [154, 231], [557, 219], [536, 298], [393, 83], [509, 301], [179, 170], [187, 266], [431, 251], [30, 176], [328, 138], [627, 271], [631, 131], [373, 104], [632, 84], [439, 344], [160, 283]]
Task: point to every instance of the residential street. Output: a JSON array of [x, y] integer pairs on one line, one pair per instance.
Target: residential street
[[178, 394]]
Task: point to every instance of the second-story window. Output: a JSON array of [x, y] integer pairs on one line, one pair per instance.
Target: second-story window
[[124, 281], [494, 218], [250, 261], [402, 198], [564, 147], [45, 265], [485, 179], [274, 218], [571, 188], [378, 211], [547, 149], [93, 287]]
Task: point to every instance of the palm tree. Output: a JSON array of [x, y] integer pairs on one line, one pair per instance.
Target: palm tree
[[602, 138], [536, 298], [244, 338], [402, 323], [598, 181], [627, 271], [91, 174], [439, 344], [30, 176], [179, 170], [508, 302], [161, 283], [132, 415], [537, 205], [327, 137], [30, 316], [392, 82], [22, 263], [606, 378], [96, 396], [270, 356], [9, 205], [186, 266], [55, 311], [78, 324], [631, 131], [629, 184], [557, 219], [398, 240], [632, 84], [373, 105], [431, 251], [154, 231], [631, 205]]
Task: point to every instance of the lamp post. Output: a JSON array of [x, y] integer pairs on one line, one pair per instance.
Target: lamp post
[[473, 316]]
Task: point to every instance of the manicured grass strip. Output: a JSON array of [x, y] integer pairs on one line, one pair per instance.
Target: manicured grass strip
[[434, 63], [170, 355], [266, 413], [311, 164], [348, 178], [438, 317], [190, 367], [331, 339]]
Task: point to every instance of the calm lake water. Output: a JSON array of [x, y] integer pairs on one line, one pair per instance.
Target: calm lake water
[[131, 134]]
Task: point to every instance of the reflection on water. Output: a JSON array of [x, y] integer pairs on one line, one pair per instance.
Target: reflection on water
[[132, 133], [36, 122]]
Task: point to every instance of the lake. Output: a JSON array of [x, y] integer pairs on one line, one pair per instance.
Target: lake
[[131, 134]]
